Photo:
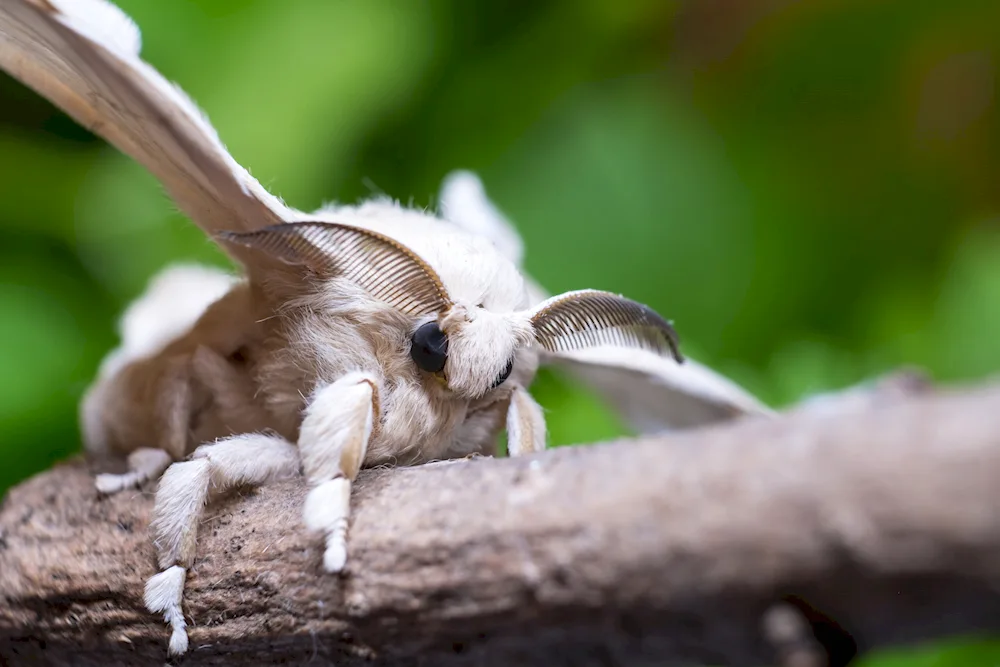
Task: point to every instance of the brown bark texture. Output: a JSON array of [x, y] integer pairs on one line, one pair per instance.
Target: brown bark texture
[[873, 522]]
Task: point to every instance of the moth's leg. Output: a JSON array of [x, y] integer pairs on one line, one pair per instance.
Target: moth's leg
[[333, 441], [525, 424], [184, 489], [144, 464]]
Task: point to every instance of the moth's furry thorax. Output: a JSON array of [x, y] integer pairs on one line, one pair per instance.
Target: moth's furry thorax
[[336, 328]]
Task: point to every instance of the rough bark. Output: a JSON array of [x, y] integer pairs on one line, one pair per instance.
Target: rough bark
[[879, 520]]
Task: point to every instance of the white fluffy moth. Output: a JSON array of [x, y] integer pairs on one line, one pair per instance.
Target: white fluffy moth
[[355, 335]]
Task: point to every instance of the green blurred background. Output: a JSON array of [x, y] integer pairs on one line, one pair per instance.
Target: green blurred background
[[808, 189]]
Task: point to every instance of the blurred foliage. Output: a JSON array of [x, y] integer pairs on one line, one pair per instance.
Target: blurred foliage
[[808, 189]]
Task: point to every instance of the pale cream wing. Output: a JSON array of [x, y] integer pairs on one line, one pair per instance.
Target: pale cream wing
[[83, 56], [654, 393], [463, 201]]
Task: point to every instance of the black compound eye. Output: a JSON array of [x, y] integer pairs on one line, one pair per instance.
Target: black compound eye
[[429, 347], [504, 374]]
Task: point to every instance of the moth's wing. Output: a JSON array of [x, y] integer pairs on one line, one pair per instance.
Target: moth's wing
[[654, 393], [463, 201], [83, 56]]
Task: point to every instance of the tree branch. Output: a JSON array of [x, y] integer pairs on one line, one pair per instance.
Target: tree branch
[[878, 523]]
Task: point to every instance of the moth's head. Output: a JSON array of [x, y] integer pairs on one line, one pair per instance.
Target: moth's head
[[471, 349], [466, 347]]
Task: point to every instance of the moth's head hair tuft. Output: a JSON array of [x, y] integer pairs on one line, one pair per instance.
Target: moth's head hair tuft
[[482, 346]]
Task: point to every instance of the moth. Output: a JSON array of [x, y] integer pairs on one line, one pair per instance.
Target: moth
[[354, 335]]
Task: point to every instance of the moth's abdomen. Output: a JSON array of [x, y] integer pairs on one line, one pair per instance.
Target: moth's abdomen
[[155, 388]]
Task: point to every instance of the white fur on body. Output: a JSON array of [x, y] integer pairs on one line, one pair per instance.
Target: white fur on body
[[331, 330], [252, 365], [329, 370]]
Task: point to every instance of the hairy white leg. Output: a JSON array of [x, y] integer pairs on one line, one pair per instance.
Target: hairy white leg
[[332, 443], [144, 464], [184, 489], [525, 424]]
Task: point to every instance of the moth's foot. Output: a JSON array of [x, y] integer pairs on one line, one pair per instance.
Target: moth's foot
[[109, 484], [163, 594], [144, 464], [335, 556], [325, 511]]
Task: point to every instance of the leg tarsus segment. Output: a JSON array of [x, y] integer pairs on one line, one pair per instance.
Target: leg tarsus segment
[[144, 464], [326, 510], [163, 594]]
